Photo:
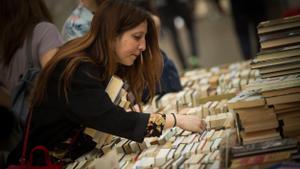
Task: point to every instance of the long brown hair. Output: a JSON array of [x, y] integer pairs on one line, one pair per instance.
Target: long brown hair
[[18, 18], [112, 19]]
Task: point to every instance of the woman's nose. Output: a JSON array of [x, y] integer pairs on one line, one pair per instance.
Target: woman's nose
[[142, 45]]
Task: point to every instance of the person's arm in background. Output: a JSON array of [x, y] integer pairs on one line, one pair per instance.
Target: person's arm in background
[[47, 56], [78, 23], [48, 41]]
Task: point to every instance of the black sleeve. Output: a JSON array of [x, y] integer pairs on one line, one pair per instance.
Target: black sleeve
[[91, 106]]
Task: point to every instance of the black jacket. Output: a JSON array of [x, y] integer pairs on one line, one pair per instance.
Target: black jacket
[[88, 105]]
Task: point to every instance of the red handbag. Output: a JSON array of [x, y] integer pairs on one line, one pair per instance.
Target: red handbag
[[29, 164]]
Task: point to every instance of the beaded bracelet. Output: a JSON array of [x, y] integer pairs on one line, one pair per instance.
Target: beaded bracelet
[[175, 120]]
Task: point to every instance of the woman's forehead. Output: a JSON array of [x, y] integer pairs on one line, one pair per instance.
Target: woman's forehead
[[142, 27]]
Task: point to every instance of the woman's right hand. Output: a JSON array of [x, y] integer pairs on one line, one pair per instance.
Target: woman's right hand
[[191, 123]]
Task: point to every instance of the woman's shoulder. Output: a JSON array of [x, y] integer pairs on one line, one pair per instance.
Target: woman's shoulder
[[83, 73], [89, 67], [45, 26], [47, 31], [82, 68]]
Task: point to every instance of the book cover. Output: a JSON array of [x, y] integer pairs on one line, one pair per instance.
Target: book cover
[[278, 35], [274, 62], [264, 147], [281, 73], [285, 41], [260, 136], [279, 21], [288, 98], [274, 83], [277, 53], [286, 105], [279, 68], [114, 87], [260, 159], [246, 99], [267, 125], [278, 24]]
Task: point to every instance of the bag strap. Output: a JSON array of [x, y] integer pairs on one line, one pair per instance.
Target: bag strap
[[29, 50], [28, 122], [25, 142]]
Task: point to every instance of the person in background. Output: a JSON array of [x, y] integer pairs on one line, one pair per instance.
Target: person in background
[[247, 15], [168, 11], [70, 92], [79, 22], [21, 20], [170, 79]]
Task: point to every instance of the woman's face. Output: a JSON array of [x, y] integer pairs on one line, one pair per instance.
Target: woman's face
[[131, 44]]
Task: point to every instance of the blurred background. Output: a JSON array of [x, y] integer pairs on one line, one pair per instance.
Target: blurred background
[[224, 31]]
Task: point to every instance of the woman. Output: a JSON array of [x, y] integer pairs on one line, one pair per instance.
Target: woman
[[22, 20], [70, 92]]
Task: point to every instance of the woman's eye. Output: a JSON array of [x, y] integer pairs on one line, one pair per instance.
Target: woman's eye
[[137, 37]]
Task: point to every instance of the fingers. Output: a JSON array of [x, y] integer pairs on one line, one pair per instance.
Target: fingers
[[193, 123], [203, 125], [199, 125]]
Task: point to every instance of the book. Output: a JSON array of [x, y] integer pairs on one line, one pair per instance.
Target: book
[[287, 110], [279, 21], [264, 147], [113, 87], [288, 98], [246, 99], [274, 62], [260, 160], [285, 52], [279, 92], [291, 126], [271, 124], [278, 68], [285, 41], [278, 27], [287, 115], [257, 118], [278, 35], [278, 24], [274, 83], [286, 105], [281, 73], [259, 136], [246, 112]]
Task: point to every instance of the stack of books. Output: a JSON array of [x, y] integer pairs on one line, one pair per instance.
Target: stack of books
[[282, 94], [257, 121], [264, 154], [279, 62], [278, 33], [280, 47], [268, 108]]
